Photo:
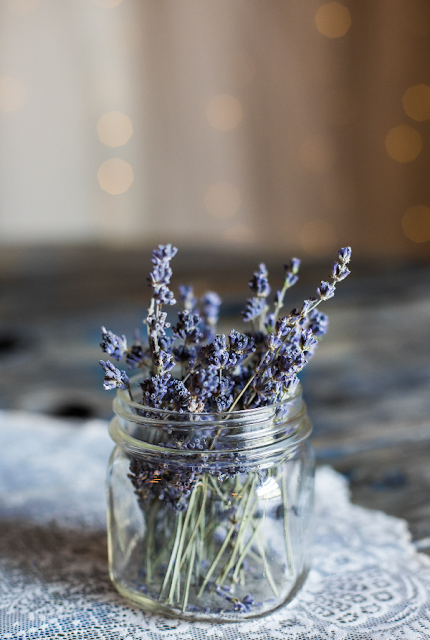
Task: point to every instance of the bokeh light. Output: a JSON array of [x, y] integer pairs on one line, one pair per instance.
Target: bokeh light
[[416, 223], [115, 176], [416, 102], [23, 7], [107, 4], [333, 20], [12, 93], [318, 153], [224, 112], [403, 143], [318, 238], [114, 129], [222, 200], [240, 234]]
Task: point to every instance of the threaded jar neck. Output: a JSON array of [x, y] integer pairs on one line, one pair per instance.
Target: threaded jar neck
[[262, 436]]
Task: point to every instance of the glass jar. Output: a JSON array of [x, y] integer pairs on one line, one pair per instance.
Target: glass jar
[[209, 515]]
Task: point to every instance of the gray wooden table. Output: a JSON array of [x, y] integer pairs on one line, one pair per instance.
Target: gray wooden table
[[367, 388]]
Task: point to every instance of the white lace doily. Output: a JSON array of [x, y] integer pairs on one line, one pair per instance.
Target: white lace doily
[[367, 582]]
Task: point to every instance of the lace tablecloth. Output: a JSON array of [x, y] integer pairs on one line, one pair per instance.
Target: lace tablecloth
[[367, 582]]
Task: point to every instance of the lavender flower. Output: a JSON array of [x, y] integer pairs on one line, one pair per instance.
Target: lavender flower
[[136, 356], [171, 486], [211, 303], [112, 344], [254, 308], [157, 324], [204, 382], [161, 273], [253, 368], [186, 296], [307, 340], [243, 606], [257, 306], [163, 361], [241, 344], [216, 353], [326, 290], [179, 395], [187, 327], [318, 322], [114, 378], [155, 389], [259, 283]]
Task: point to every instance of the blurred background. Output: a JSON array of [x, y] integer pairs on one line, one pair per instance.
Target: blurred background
[[240, 131]]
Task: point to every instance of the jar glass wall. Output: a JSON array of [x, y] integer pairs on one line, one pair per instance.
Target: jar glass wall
[[209, 515]]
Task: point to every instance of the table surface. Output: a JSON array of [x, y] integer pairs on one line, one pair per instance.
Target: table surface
[[367, 387]]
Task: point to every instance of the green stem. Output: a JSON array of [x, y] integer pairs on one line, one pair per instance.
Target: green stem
[[150, 528], [181, 543], [173, 554], [257, 371], [217, 490], [199, 517], [188, 579], [245, 552], [247, 514], [267, 571], [217, 559], [286, 525]]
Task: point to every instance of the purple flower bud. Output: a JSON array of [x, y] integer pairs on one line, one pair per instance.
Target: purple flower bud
[[163, 361], [211, 303], [259, 283], [164, 252], [157, 325], [307, 341], [290, 384], [155, 389], [114, 378], [345, 254], [187, 328], [135, 355], [326, 290], [112, 344], [254, 308], [291, 279], [186, 296], [295, 265], [273, 342], [318, 322], [306, 306]]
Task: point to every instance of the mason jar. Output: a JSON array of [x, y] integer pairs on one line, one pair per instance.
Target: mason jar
[[209, 514]]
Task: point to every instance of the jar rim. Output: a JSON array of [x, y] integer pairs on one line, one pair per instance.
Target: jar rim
[[258, 432], [240, 413]]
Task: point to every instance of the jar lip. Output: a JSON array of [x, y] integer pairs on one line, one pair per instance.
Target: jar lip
[[241, 413]]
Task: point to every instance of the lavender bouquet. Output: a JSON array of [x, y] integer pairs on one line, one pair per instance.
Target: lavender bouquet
[[211, 438]]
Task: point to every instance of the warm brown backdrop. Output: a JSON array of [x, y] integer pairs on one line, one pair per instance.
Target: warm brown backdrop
[[261, 124]]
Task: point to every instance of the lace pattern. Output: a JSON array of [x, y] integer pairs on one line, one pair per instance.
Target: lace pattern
[[367, 582]]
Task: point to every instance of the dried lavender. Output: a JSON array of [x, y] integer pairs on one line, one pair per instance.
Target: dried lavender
[[255, 368], [191, 370]]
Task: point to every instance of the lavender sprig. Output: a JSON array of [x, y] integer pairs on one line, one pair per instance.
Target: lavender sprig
[[256, 307], [113, 345], [290, 279], [114, 378], [325, 291], [218, 372]]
